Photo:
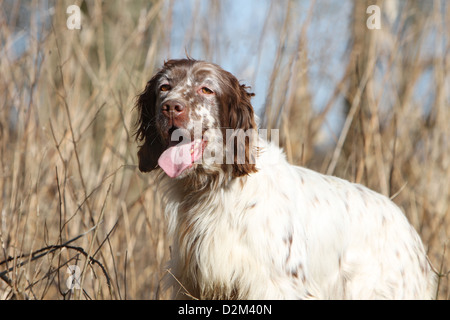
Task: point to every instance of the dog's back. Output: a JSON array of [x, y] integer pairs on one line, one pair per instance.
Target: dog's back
[[287, 232]]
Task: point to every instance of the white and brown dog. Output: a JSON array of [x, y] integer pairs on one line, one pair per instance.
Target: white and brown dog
[[247, 224]]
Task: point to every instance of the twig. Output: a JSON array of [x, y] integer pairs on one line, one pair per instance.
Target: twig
[[348, 121], [38, 254], [186, 292], [94, 237]]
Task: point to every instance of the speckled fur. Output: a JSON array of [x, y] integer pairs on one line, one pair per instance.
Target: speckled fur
[[286, 232], [272, 230]]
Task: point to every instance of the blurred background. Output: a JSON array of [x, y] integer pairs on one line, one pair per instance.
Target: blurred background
[[368, 105]]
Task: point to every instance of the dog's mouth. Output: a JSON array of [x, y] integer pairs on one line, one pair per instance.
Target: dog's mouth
[[181, 155]]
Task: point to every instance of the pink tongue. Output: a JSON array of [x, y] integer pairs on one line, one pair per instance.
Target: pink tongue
[[178, 158]]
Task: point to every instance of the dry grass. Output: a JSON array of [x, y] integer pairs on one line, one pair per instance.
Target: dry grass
[[72, 195]]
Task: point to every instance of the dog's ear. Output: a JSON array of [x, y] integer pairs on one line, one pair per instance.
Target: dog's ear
[[148, 155], [146, 132], [238, 115]]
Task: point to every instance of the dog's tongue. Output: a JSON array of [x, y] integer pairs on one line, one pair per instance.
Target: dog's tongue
[[178, 158]]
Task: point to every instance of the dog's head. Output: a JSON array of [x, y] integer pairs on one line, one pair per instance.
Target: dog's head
[[195, 117]]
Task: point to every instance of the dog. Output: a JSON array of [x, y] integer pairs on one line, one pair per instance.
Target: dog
[[245, 223]]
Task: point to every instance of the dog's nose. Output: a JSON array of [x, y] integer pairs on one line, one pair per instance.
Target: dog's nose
[[173, 109]]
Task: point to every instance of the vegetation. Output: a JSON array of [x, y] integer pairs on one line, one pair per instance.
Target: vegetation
[[70, 191]]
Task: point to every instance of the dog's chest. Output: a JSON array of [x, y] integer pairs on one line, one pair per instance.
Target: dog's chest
[[219, 243]]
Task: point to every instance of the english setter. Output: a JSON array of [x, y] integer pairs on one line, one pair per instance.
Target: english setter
[[245, 223]]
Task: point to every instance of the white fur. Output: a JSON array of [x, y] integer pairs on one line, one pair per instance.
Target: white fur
[[287, 232]]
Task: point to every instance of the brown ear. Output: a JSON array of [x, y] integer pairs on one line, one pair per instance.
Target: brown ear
[[146, 132], [148, 155], [238, 115]]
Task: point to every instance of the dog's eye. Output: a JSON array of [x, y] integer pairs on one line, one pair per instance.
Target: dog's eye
[[165, 87], [206, 90]]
